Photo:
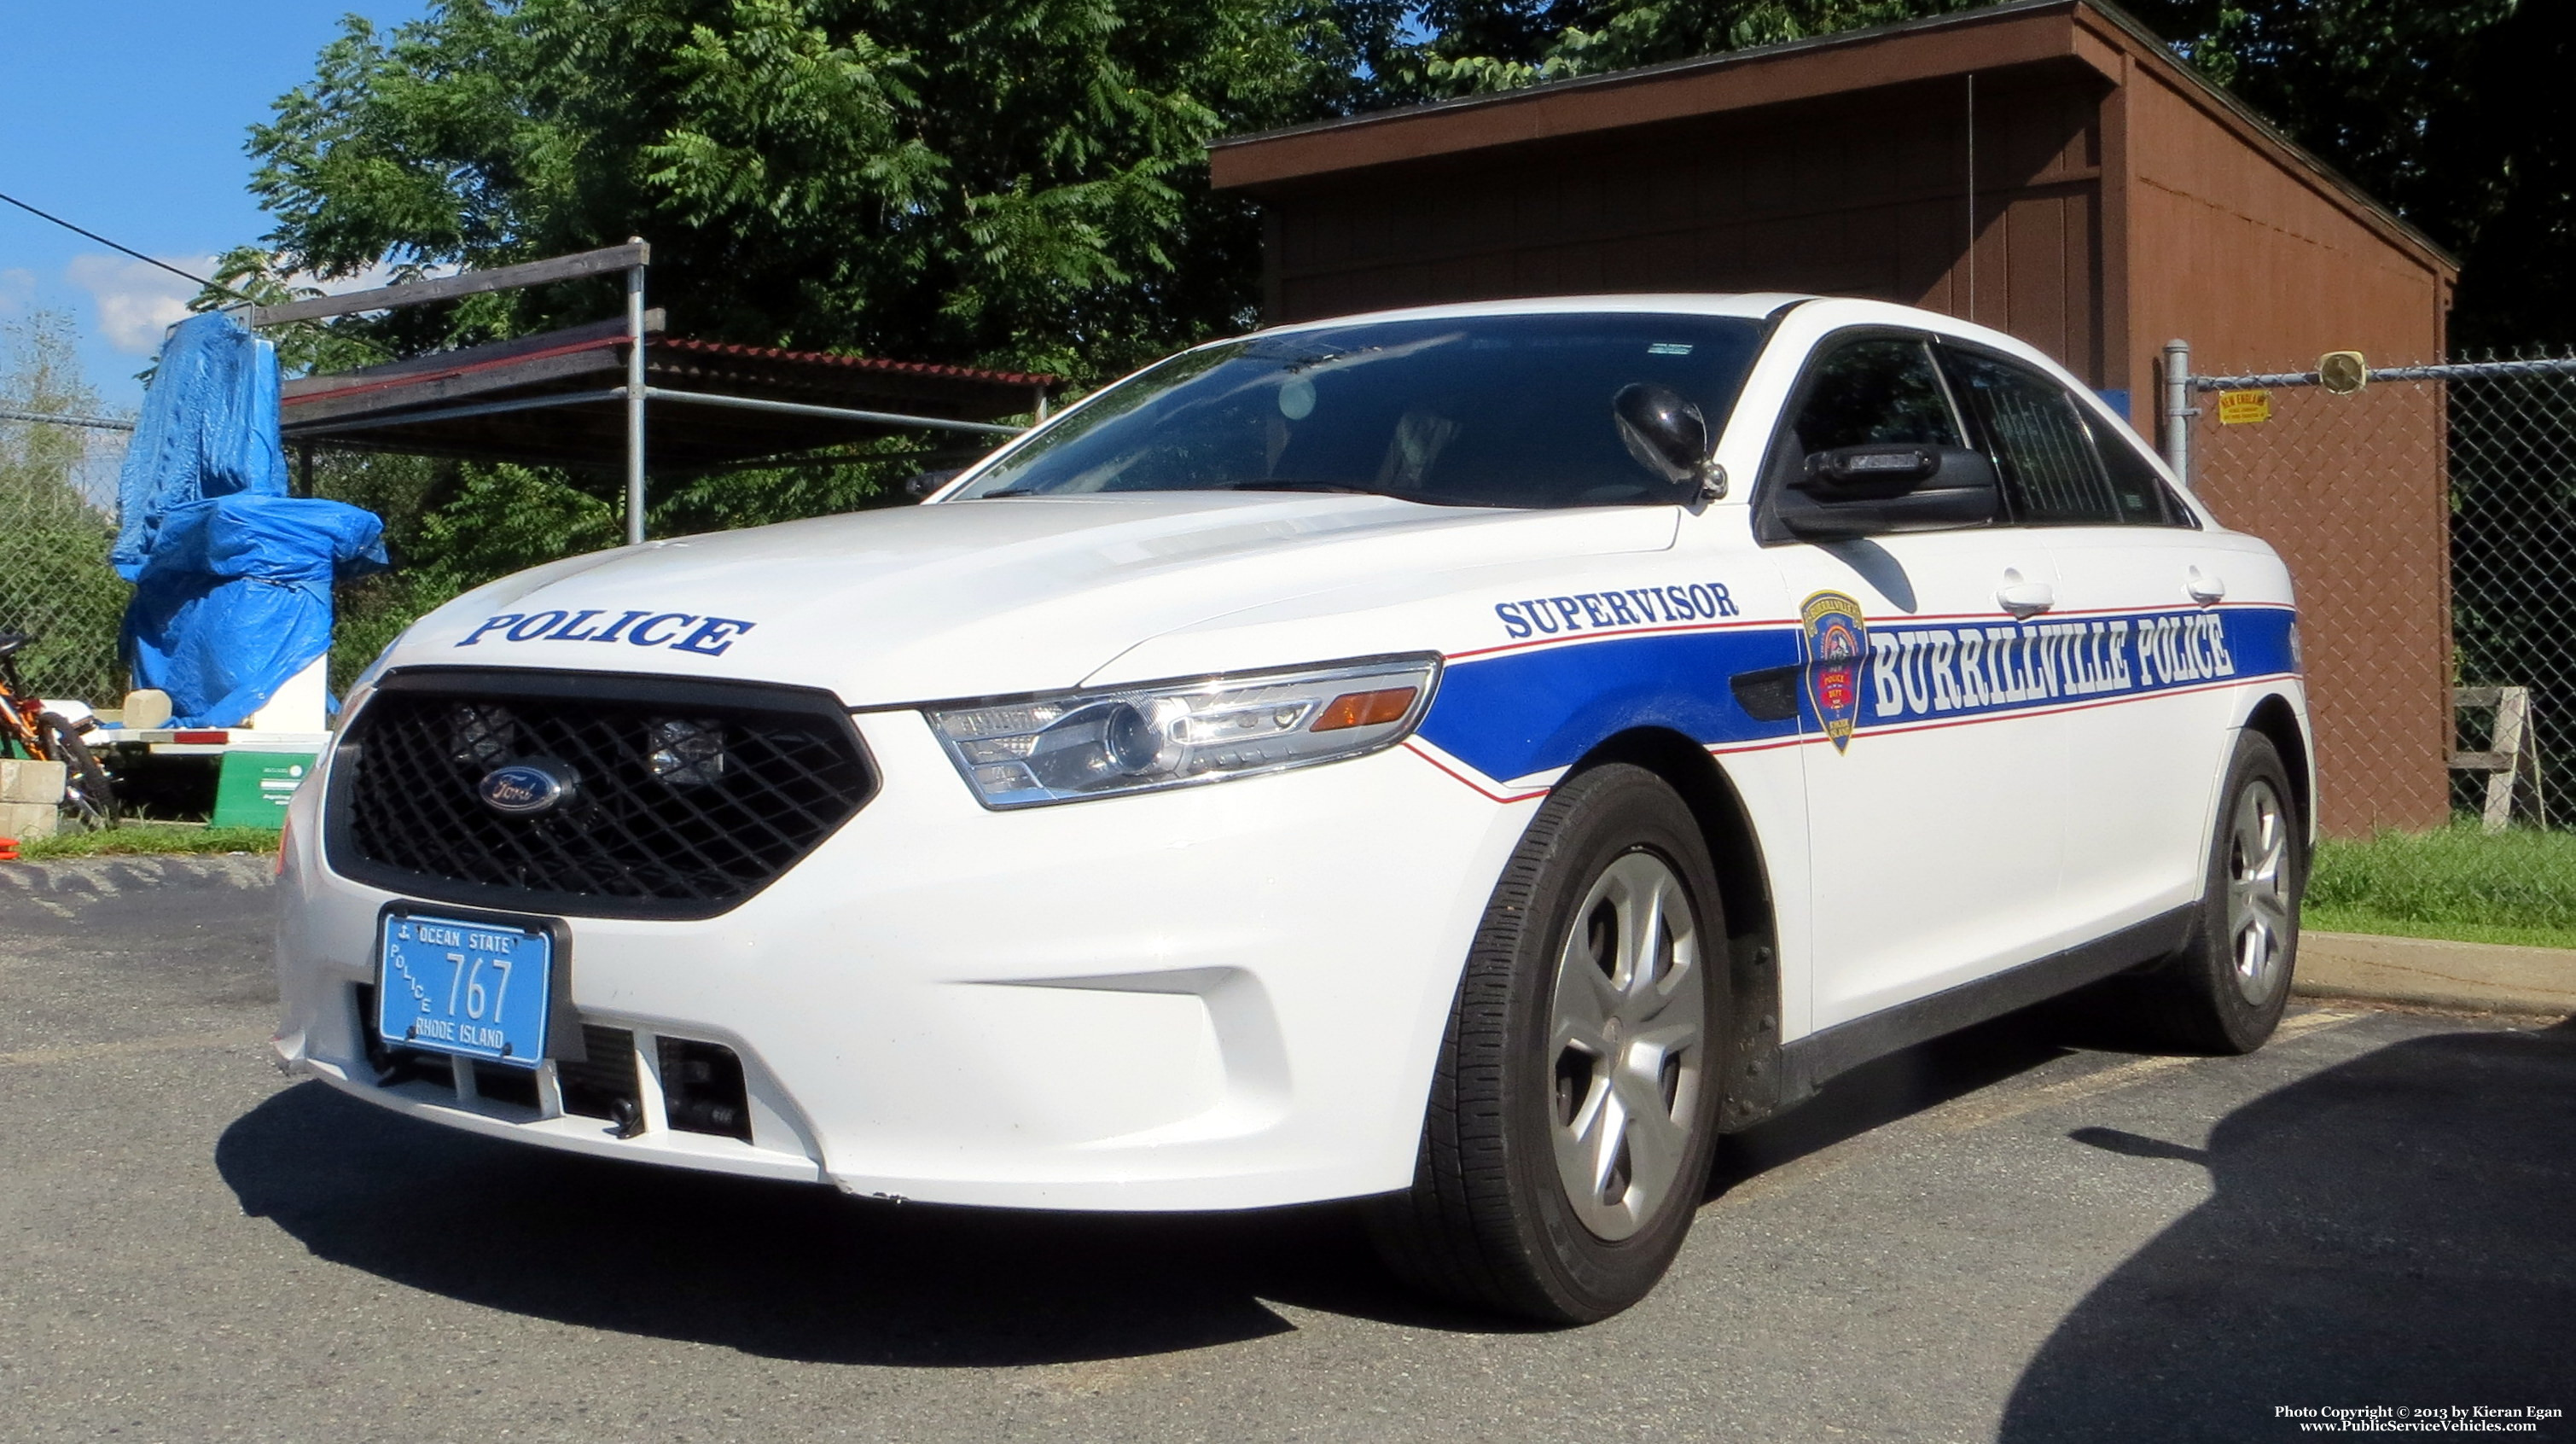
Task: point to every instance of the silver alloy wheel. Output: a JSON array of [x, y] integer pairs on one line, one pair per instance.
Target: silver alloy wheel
[[2258, 892], [1627, 1029]]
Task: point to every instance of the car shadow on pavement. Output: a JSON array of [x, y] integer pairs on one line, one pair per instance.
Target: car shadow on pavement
[[789, 1271], [802, 1272], [2397, 1230], [1905, 1083]]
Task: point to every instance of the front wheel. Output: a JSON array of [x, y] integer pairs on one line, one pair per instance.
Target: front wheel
[[1572, 1115], [87, 797]]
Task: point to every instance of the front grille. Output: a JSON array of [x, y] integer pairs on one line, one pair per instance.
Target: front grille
[[685, 797]]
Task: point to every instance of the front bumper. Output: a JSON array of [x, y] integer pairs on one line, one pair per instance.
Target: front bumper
[[1216, 997]]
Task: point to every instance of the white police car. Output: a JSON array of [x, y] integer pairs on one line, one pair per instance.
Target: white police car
[[1463, 758]]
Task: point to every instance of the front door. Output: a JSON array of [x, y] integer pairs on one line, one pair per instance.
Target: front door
[[1935, 772]]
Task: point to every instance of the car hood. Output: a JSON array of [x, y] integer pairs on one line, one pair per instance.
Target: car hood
[[974, 598]]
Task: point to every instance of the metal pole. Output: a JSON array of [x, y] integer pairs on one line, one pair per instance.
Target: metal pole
[[635, 398], [1042, 405], [2178, 410]]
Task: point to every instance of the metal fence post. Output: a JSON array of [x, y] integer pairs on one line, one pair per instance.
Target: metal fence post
[[2178, 409], [635, 399]]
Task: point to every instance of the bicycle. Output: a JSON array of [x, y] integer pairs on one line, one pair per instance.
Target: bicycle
[[28, 730]]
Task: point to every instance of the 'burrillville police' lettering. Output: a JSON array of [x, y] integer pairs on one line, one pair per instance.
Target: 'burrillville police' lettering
[[1921, 671], [679, 631], [1601, 611]]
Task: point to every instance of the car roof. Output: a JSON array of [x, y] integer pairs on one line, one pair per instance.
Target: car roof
[[1746, 305], [1750, 305]]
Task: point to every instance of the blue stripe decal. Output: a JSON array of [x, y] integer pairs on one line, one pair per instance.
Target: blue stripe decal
[[1522, 712], [1512, 714]]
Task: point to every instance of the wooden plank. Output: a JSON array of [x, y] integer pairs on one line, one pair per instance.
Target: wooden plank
[[2513, 708], [2482, 762], [446, 390], [471, 283], [440, 361], [2476, 696]]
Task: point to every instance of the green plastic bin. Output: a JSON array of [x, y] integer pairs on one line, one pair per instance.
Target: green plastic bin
[[252, 788]]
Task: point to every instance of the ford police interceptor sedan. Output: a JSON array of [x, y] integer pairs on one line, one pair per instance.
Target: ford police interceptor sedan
[[1462, 759]]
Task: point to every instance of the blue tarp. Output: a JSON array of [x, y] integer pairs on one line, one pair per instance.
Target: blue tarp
[[232, 577]]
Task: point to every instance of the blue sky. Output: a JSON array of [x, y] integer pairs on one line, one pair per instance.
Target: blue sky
[[128, 117]]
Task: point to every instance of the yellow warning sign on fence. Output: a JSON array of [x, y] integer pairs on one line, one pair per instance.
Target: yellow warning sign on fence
[[2236, 408]]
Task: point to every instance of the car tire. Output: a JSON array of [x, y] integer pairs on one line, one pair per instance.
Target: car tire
[[2224, 992], [1573, 1109]]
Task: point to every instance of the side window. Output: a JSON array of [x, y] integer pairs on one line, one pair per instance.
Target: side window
[[2058, 469], [2140, 493], [2052, 475], [1881, 388]]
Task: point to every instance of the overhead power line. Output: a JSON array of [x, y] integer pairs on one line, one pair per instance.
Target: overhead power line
[[104, 241], [59, 418]]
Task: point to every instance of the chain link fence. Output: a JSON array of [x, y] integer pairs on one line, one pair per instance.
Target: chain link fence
[[2430, 520], [57, 520]]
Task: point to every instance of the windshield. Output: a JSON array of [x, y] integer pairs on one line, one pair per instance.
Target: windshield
[[1508, 411]]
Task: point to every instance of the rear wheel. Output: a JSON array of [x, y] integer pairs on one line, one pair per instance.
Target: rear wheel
[[87, 797], [2226, 991], [1573, 1112]]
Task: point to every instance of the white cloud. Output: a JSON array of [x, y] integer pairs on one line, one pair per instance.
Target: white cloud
[[136, 302]]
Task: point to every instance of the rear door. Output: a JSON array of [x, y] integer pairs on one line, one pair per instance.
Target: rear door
[[1935, 802], [2144, 583]]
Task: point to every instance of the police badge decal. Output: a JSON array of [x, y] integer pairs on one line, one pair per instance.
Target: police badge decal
[[1837, 647]]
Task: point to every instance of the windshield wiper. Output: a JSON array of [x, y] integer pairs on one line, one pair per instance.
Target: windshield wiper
[[1286, 484]]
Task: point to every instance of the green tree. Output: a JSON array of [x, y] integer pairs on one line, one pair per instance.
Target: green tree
[[2457, 113], [2454, 112], [1487, 45], [54, 578], [1015, 182]]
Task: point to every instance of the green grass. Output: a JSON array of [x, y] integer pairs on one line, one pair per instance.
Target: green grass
[[149, 837], [2458, 883]]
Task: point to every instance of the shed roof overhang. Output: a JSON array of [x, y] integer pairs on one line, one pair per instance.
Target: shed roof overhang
[[2079, 36], [557, 399]]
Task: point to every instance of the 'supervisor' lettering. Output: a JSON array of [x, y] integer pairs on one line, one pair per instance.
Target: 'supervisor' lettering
[[1933, 671], [1521, 712], [1605, 611], [638, 627]]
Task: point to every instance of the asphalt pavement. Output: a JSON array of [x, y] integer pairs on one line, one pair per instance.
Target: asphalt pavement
[[2021, 1233]]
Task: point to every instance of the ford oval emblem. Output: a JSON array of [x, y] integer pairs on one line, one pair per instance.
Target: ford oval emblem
[[523, 789]]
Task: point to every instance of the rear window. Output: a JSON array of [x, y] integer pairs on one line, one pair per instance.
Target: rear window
[[1503, 411]]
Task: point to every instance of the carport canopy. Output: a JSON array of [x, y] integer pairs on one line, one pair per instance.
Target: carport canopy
[[558, 398]]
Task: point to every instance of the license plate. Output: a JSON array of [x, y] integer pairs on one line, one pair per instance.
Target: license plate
[[474, 989]]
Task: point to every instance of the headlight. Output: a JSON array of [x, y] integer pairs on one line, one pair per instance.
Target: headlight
[[1064, 746]]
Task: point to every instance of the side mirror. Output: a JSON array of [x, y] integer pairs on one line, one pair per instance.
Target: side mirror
[[1669, 437], [1875, 490]]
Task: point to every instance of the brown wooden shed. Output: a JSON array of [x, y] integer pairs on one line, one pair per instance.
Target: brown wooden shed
[[2048, 168]]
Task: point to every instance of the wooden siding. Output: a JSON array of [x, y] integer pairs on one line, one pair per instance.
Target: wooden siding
[[2261, 270], [1865, 196]]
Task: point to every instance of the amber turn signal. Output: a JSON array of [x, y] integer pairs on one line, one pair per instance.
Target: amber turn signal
[[1363, 709]]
